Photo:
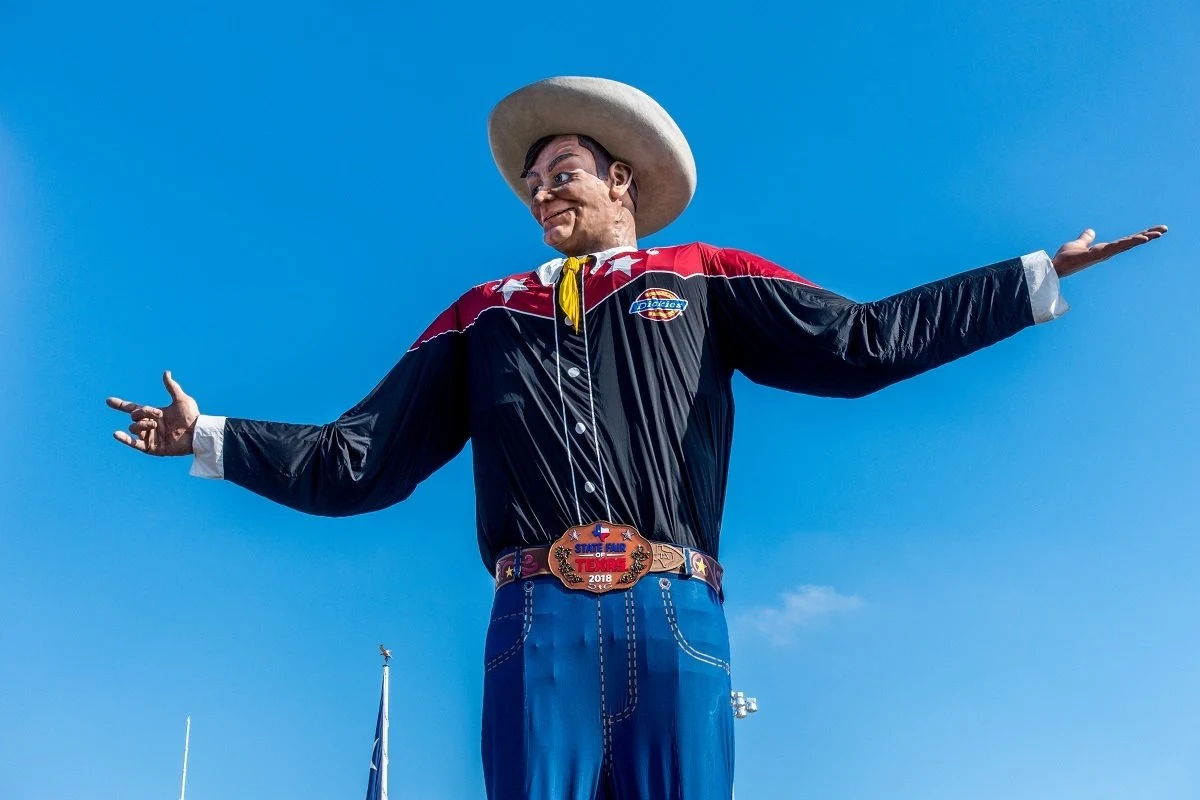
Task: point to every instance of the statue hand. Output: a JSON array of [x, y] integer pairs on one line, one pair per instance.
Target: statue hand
[[160, 431], [1081, 253]]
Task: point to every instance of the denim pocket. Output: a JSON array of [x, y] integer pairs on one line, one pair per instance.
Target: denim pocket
[[508, 630], [664, 584]]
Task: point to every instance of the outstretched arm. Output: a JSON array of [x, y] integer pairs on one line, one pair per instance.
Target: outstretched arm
[[372, 456], [781, 330]]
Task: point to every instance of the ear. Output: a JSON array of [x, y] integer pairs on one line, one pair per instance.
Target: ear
[[620, 177]]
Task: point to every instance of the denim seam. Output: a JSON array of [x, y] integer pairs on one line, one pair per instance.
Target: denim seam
[[669, 608], [605, 730], [516, 646], [631, 686]]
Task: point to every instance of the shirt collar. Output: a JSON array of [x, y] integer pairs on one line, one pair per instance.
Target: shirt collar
[[548, 273]]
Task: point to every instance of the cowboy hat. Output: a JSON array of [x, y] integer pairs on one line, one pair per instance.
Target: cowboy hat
[[627, 122]]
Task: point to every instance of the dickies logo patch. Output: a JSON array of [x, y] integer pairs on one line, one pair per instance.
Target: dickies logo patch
[[659, 305]]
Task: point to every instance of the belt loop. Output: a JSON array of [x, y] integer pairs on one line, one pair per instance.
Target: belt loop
[[687, 562], [517, 564]]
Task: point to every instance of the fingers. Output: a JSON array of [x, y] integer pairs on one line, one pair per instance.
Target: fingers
[[134, 410], [1135, 239], [1153, 232], [147, 412], [1149, 233], [143, 427], [1102, 251], [120, 405], [1140, 237], [126, 439], [173, 387]]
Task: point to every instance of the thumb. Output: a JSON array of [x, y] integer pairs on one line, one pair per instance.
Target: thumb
[[1088, 236], [173, 388]]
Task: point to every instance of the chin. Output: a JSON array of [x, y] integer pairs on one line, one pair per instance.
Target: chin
[[557, 238]]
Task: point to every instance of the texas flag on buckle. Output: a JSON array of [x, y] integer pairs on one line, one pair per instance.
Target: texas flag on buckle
[[600, 557]]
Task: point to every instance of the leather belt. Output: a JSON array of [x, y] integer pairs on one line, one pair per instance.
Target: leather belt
[[686, 561]]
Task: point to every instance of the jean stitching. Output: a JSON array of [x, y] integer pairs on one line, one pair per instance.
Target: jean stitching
[[704, 658], [605, 729], [631, 686], [516, 646]]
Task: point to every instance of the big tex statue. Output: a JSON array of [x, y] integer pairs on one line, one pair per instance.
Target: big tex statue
[[596, 392]]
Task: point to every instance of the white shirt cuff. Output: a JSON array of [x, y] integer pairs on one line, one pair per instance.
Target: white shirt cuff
[[1045, 300], [208, 445]]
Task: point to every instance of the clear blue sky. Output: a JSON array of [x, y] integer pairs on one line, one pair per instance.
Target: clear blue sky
[[981, 583]]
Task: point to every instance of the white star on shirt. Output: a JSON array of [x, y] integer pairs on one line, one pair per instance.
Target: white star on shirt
[[575, 535], [627, 535], [621, 264], [512, 285]]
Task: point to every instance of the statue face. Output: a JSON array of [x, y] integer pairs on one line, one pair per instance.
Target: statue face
[[576, 208]]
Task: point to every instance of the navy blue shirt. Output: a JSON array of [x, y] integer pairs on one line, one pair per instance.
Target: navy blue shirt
[[630, 418]]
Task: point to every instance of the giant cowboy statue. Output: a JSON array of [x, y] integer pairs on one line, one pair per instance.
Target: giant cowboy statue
[[596, 392]]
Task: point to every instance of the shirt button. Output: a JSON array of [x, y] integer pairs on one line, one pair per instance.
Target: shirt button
[[573, 372], [580, 427], [589, 487]]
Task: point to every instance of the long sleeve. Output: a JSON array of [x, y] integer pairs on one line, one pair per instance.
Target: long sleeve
[[376, 453], [783, 331]]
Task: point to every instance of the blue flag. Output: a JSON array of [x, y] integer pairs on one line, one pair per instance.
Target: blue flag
[[377, 779]]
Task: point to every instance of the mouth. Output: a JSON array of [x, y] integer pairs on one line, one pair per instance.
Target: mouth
[[546, 221]]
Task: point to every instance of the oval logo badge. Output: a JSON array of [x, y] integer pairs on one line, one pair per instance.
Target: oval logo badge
[[660, 305]]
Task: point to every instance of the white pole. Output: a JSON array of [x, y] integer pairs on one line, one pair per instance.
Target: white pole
[[187, 736], [384, 765]]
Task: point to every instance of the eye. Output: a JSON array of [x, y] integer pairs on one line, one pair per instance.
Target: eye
[[561, 178]]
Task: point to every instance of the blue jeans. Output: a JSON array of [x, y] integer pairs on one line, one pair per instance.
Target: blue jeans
[[619, 696]]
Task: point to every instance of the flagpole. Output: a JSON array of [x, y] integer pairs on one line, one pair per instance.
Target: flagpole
[[387, 656], [187, 737]]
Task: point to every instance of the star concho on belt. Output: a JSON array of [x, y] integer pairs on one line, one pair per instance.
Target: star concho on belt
[[600, 557]]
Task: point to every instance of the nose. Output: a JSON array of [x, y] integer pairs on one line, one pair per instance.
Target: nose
[[538, 206]]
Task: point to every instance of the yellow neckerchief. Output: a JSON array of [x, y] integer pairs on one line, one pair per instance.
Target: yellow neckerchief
[[568, 290]]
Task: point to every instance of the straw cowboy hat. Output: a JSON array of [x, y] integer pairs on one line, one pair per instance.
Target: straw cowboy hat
[[630, 125]]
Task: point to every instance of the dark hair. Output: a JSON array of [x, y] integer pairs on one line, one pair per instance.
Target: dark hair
[[604, 159]]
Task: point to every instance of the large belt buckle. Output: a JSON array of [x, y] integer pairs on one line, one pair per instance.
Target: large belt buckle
[[600, 557]]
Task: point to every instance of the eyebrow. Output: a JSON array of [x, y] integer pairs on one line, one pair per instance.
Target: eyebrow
[[553, 163]]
